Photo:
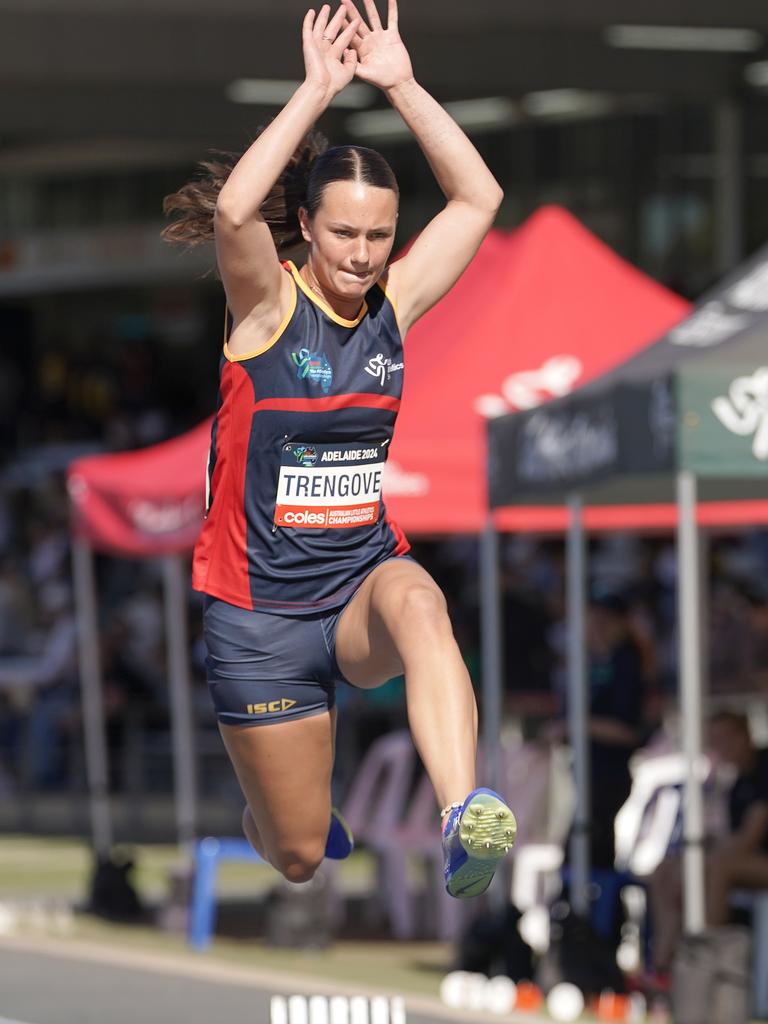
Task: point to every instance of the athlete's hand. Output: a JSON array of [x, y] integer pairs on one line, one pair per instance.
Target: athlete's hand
[[382, 58], [329, 57]]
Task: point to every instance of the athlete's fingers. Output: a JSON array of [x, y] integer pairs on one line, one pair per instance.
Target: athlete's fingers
[[373, 14], [321, 21], [392, 14], [306, 25], [343, 41], [336, 23], [349, 59], [352, 12]]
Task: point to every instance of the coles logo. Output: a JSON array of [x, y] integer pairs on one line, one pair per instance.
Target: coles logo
[[305, 518]]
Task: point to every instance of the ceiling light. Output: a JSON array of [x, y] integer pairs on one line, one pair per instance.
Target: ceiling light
[[567, 103], [490, 113], [275, 92], [683, 37]]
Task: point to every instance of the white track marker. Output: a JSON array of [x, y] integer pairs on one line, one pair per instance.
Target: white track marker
[[318, 1010], [336, 1010], [397, 1010], [358, 1007], [278, 1010], [379, 1010], [339, 1010], [298, 1010]]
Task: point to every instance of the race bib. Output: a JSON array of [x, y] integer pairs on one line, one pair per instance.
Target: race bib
[[329, 485]]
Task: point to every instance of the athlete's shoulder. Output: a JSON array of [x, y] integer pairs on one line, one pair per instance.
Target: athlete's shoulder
[[383, 296]]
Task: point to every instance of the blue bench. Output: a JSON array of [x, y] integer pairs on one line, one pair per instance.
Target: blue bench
[[208, 854]]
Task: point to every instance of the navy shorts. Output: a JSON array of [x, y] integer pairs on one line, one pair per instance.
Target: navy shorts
[[265, 668]]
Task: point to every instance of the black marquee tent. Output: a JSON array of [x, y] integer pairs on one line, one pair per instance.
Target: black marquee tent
[[686, 417], [696, 400]]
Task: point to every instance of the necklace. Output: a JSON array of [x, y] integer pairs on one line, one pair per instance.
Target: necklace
[[313, 286]]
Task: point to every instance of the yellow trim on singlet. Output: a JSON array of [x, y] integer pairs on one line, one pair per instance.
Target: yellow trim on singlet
[[324, 306], [267, 344], [392, 303]]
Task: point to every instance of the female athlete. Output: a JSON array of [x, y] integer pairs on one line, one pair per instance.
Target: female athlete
[[307, 581]]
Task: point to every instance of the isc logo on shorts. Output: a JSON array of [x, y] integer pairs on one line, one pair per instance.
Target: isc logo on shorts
[[268, 707]]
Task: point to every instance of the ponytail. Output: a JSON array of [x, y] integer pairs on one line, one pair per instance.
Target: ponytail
[[194, 205]]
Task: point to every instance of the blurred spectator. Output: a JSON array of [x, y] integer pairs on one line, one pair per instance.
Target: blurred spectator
[[43, 689], [739, 860], [616, 695], [757, 599], [730, 635], [16, 612]]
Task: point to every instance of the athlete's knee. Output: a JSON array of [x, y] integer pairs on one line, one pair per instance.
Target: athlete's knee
[[298, 863], [423, 604]]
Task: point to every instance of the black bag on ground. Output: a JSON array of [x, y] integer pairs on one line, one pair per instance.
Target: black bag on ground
[[111, 892], [580, 955], [710, 977], [492, 944]]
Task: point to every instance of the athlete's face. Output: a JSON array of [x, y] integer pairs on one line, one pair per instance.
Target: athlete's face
[[350, 237]]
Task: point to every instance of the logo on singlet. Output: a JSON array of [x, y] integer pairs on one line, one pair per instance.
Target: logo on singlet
[[313, 366], [381, 367], [305, 455]]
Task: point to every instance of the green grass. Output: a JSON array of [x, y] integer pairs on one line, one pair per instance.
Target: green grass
[[57, 871]]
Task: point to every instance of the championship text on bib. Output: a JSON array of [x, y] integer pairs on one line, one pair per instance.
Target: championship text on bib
[[329, 485]]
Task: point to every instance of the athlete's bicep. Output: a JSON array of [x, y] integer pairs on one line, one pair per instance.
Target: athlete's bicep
[[437, 258], [248, 264]]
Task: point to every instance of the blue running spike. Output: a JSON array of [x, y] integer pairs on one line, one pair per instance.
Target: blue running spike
[[475, 838], [340, 842]]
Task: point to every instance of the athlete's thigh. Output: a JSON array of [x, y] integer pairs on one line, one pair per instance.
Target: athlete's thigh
[[366, 650], [284, 772]]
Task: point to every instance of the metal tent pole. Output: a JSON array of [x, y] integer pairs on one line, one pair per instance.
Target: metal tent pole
[[182, 723], [576, 601], [96, 765], [689, 674], [491, 641]]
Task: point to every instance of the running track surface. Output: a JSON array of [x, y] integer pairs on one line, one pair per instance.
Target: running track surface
[[47, 983]]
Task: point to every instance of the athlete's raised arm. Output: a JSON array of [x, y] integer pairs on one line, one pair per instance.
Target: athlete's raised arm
[[445, 247], [245, 250], [248, 205]]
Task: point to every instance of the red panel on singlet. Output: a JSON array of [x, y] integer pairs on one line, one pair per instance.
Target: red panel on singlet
[[224, 544]]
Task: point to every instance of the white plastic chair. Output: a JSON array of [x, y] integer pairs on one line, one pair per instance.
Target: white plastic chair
[[376, 800], [524, 784], [374, 807]]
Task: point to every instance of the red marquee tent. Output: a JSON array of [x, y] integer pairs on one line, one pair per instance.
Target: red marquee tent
[[145, 502], [539, 312]]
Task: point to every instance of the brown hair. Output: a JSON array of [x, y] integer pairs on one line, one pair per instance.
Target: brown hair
[[310, 170]]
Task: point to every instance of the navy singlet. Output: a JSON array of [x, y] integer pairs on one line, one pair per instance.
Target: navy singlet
[[295, 520]]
